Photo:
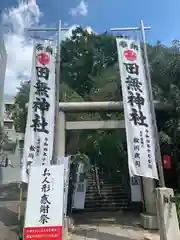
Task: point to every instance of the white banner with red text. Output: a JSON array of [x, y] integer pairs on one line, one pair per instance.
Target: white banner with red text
[[44, 207]]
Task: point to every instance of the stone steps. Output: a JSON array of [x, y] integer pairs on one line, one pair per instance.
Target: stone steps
[[115, 194]]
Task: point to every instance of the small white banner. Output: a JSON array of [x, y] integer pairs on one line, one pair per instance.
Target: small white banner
[[135, 183], [65, 161], [39, 136], [138, 118], [79, 195], [44, 205]]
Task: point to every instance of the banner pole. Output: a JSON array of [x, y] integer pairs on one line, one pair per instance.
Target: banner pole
[[19, 209], [58, 65], [156, 135]]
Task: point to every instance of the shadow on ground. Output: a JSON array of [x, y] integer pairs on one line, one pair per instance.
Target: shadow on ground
[[8, 217], [10, 226], [125, 219], [94, 234], [10, 192], [106, 218]]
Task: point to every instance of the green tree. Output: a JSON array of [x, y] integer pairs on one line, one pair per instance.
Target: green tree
[[19, 110], [83, 56]]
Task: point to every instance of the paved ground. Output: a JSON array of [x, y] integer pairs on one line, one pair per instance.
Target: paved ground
[[110, 226], [88, 226], [9, 224]]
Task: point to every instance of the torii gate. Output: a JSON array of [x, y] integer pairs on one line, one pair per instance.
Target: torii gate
[[148, 221], [83, 107]]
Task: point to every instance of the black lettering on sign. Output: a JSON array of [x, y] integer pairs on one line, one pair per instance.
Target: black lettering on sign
[[46, 141], [136, 99], [39, 124], [123, 44], [134, 46], [49, 50], [137, 163], [150, 166], [39, 47], [141, 139], [44, 209], [45, 180], [45, 188], [138, 118], [45, 203], [31, 152], [42, 72], [133, 84], [41, 89], [44, 218], [136, 140], [46, 172], [137, 155], [41, 104], [38, 146], [136, 143], [136, 148], [132, 68]]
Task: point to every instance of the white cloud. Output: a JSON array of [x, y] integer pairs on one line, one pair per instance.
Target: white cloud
[[68, 34], [19, 48], [80, 10]]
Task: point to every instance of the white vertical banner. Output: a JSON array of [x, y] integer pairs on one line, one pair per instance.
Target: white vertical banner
[[44, 207], [66, 162], [39, 135], [138, 119], [79, 195], [136, 194], [66, 182]]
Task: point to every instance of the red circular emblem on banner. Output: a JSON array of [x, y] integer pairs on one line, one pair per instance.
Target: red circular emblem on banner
[[43, 58], [130, 55]]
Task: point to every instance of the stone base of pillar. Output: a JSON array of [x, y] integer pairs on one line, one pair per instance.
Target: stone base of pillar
[[68, 223], [65, 228], [65, 234], [167, 213], [149, 222], [68, 227]]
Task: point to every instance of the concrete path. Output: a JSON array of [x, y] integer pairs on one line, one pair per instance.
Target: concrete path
[[9, 204], [110, 226], [9, 220]]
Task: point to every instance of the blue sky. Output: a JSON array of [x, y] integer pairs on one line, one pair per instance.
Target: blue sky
[[100, 15], [162, 15]]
